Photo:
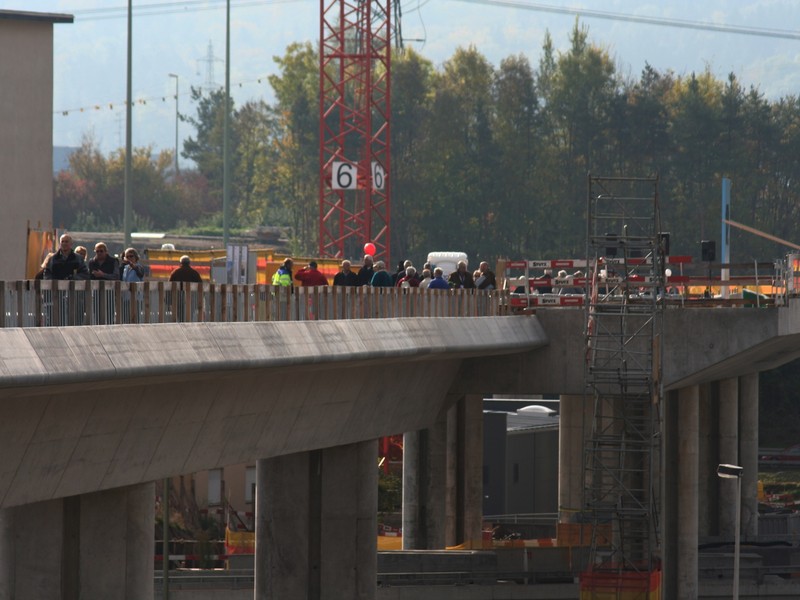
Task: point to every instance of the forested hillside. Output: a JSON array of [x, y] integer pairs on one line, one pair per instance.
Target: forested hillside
[[488, 159]]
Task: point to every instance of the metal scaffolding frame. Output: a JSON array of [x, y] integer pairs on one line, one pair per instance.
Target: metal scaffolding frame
[[625, 274]]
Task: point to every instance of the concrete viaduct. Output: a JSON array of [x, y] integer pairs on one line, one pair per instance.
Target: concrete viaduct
[[92, 416]]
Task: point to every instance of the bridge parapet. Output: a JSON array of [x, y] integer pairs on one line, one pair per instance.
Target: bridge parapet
[[66, 303]]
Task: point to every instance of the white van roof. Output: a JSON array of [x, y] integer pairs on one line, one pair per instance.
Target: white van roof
[[448, 257]]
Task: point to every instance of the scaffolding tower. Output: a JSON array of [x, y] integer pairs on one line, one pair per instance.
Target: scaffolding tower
[[625, 275]]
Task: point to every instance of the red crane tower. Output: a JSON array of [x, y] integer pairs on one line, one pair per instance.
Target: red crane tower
[[354, 69]]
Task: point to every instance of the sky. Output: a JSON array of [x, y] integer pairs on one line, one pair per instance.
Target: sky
[[187, 38]]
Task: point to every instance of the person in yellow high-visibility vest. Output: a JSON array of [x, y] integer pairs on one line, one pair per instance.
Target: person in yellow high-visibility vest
[[283, 276]]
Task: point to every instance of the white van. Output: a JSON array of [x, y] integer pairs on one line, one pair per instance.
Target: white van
[[447, 261]]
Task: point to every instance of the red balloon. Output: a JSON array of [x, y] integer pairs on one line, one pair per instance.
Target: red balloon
[[369, 248]]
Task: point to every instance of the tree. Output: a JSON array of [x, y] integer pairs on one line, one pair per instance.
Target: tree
[[516, 203], [91, 192], [206, 149], [578, 115], [294, 177], [411, 115], [462, 156]]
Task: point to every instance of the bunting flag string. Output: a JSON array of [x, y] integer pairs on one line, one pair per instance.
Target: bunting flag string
[[141, 101]]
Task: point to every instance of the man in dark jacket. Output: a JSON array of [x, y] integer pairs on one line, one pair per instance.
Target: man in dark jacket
[[366, 272], [103, 265], [65, 264], [487, 280], [345, 276], [461, 278], [185, 272]]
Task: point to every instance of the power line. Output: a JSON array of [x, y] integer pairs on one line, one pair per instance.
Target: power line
[[164, 8], [659, 21]]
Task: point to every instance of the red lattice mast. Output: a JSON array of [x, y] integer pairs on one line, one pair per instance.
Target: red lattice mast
[[355, 66]]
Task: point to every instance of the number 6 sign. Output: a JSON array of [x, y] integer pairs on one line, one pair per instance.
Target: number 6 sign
[[344, 176], [378, 175]]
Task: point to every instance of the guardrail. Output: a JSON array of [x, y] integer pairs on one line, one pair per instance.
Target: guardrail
[[67, 303]]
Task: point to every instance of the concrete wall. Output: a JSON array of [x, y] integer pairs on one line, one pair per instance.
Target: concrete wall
[[26, 135]]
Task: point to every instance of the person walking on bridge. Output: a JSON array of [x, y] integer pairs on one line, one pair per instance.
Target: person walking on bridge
[[311, 276], [486, 279], [65, 264], [366, 271], [186, 272], [461, 278], [438, 282], [346, 277], [283, 276], [381, 278], [103, 265]]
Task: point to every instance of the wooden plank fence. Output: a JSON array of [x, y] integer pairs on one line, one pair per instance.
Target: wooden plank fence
[[69, 303]]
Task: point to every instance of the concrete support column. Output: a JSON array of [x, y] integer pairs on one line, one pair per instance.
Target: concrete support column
[[748, 452], [91, 547], [669, 496], [574, 426], [451, 477], [464, 491], [469, 474], [687, 517], [424, 478], [707, 469], [283, 512], [316, 534], [116, 541], [728, 453], [465, 471], [7, 553]]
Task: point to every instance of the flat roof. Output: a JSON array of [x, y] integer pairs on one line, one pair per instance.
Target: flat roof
[[23, 15]]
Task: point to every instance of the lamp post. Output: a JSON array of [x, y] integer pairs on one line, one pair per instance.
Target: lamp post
[[735, 472], [177, 118]]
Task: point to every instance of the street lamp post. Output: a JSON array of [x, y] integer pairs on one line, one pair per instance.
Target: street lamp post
[[177, 118], [735, 472]]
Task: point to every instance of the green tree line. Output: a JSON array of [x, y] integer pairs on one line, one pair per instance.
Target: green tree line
[[491, 160]]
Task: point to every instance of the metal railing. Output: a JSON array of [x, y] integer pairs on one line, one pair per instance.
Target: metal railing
[[68, 303]]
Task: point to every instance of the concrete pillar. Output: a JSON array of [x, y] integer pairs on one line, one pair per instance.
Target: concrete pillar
[[283, 569], [748, 452], [7, 553], [317, 535], [451, 477], [464, 492], [93, 546], [728, 453], [424, 477], [116, 542], [32, 561], [669, 496], [471, 469], [687, 520], [707, 468], [575, 416], [413, 505]]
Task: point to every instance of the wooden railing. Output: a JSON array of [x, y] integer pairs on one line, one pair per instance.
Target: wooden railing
[[66, 303]]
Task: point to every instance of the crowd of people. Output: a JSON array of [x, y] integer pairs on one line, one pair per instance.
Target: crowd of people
[[74, 264], [67, 263], [374, 273]]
